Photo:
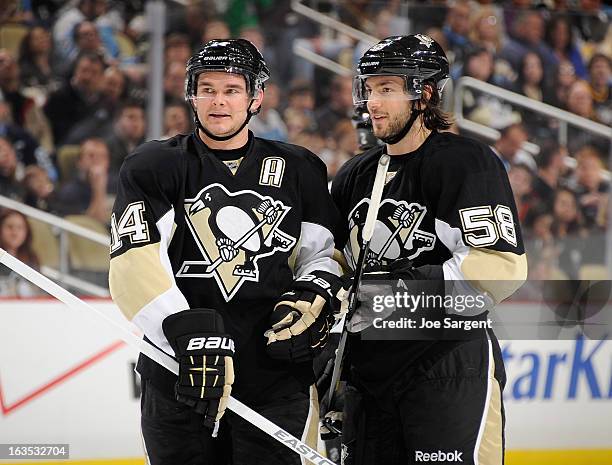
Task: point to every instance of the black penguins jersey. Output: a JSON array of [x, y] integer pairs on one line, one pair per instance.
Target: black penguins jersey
[[191, 230], [449, 208]]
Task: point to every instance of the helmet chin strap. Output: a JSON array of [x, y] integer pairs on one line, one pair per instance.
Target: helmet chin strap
[[395, 138], [200, 126]]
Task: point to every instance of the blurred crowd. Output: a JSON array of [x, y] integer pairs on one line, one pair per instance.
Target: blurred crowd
[[73, 96]]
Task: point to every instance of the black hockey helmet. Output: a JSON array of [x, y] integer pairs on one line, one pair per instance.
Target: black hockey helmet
[[237, 56], [415, 57]]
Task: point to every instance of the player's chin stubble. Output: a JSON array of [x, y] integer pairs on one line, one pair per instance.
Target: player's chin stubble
[[394, 125]]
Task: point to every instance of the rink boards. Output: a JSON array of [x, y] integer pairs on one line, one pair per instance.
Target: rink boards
[[65, 378]]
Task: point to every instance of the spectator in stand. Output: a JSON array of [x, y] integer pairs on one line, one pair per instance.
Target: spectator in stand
[[567, 220], [600, 80], [381, 29], [338, 106], [592, 23], [481, 107], [521, 177], [106, 21], [568, 231], [268, 123], [313, 141], [215, 29], [559, 37], [528, 35], [177, 119], [300, 105], [456, 28], [174, 81], [297, 124], [591, 187], [128, 133], [24, 111], [9, 175], [39, 190], [255, 35], [530, 81], [513, 10], [177, 48], [87, 39], [486, 30], [423, 15], [78, 98], [27, 149], [509, 144], [36, 61], [543, 259], [87, 192], [189, 19], [565, 76], [114, 87], [357, 14], [580, 100], [301, 96], [114, 90], [551, 168], [346, 145], [16, 239], [538, 225]]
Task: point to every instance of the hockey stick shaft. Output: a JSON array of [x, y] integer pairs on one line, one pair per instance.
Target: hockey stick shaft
[[397, 230], [213, 266], [368, 232], [158, 356]]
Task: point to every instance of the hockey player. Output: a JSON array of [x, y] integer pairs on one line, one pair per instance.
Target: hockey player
[[447, 215], [220, 239]]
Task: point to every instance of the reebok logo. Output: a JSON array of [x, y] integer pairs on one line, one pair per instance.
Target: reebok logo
[[213, 342], [438, 456]]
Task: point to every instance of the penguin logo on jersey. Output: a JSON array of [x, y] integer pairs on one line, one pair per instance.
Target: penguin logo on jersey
[[233, 231], [396, 232]]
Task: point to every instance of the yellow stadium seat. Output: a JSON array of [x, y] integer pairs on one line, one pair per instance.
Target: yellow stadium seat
[[67, 156], [11, 35], [126, 46], [45, 243], [591, 272], [85, 254]]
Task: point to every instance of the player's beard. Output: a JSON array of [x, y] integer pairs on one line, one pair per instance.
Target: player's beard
[[394, 125]]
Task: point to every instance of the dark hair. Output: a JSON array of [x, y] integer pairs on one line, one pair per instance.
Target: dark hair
[[176, 39], [520, 78], [599, 56], [550, 29], [506, 130], [24, 251], [434, 118], [91, 56], [576, 224], [25, 52], [535, 212], [77, 27], [300, 87], [548, 149], [128, 103]]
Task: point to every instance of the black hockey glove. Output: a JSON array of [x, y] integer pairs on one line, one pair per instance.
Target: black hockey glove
[[303, 317], [204, 353], [385, 280]]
